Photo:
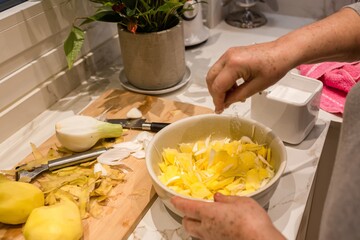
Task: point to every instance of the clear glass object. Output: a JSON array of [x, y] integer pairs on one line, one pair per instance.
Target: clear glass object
[[246, 17]]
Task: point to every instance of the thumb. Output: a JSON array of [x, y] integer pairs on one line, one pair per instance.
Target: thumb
[[218, 197]]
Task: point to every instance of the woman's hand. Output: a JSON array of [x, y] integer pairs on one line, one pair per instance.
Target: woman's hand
[[259, 65], [229, 217]]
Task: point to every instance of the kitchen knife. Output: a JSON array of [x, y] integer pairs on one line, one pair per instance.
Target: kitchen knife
[[139, 124]]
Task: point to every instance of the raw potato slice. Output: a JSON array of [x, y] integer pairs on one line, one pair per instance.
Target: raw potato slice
[[202, 168]]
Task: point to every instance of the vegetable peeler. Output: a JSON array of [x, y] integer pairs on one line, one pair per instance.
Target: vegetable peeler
[[29, 175]]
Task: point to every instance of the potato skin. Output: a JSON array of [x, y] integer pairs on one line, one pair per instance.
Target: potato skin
[[17, 200]]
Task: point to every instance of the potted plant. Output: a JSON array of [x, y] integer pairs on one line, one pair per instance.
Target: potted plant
[[151, 39]]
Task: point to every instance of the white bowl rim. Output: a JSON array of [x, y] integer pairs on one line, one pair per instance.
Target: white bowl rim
[[272, 181]]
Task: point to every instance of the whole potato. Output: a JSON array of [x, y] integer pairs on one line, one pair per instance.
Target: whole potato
[[61, 221], [17, 200]]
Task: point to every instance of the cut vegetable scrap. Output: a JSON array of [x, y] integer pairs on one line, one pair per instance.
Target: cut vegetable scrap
[[134, 113], [83, 184], [143, 137], [121, 151], [89, 184], [114, 156], [98, 167], [39, 159], [138, 154], [202, 168], [131, 146]]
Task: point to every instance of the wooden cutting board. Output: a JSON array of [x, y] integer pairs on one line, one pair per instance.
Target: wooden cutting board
[[134, 197]]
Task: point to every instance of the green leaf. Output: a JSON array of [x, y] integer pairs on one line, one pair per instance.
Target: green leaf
[[73, 44], [103, 14], [169, 7], [130, 12], [145, 5]]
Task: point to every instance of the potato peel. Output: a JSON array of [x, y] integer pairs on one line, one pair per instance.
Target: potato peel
[[88, 188]]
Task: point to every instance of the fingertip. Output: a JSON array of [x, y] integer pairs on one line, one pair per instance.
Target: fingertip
[[219, 111], [174, 200], [219, 108], [218, 196]]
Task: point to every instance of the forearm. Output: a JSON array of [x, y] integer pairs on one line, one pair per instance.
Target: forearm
[[335, 38]]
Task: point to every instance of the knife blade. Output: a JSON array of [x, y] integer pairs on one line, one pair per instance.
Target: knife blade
[[139, 124]]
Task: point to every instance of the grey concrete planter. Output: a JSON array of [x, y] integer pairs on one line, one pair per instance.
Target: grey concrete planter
[[153, 61]]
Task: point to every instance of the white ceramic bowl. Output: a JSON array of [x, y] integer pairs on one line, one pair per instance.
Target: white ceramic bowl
[[199, 127]]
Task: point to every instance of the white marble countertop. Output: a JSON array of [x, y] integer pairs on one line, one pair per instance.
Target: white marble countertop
[[288, 203]]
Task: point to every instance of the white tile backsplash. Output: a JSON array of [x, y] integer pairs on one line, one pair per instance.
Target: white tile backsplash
[[33, 69]]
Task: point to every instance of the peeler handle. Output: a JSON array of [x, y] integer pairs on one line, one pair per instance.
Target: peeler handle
[[75, 159]]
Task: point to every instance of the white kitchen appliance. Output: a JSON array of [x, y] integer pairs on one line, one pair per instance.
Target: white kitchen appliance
[[194, 30], [290, 107]]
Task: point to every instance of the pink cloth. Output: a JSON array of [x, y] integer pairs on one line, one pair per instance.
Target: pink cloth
[[338, 78]]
